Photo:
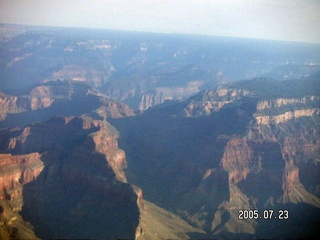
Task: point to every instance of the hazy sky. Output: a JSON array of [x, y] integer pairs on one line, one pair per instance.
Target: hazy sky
[[293, 20]]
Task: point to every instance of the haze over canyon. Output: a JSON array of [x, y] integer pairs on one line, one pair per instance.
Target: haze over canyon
[[112, 134]]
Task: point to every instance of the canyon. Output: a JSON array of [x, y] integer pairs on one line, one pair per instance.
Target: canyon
[[62, 183], [109, 134], [232, 159], [139, 69], [66, 187]]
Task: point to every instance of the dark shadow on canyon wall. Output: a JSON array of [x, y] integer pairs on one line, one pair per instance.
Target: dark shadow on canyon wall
[[169, 154], [77, 195]]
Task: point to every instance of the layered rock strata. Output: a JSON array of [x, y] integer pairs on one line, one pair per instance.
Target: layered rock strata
[[15, 172], [81, 166]]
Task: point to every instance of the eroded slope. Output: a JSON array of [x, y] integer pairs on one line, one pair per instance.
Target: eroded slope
[[212, 155], [80, 189]]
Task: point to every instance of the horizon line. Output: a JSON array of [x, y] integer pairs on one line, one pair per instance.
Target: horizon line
[[160, 33]]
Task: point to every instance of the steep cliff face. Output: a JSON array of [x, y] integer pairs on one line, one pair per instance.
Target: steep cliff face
[[276, 119], [18, 170], [294, 133], [150, 100], [10, 104], [106, 143], [297, 132], [255, 170], [237, 159], [39, 97], [15, 172], [113, 109], [245, 145], [283, 142], [82, 179], [80, 175], [62, 98], [215, 157], [280, 102], [210, 101], [162, 94]]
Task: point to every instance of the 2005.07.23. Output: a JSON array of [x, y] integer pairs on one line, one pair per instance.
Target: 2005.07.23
[[266, 214]]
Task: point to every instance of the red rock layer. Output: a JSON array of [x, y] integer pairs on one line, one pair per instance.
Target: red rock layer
[[236, 159], [16, 171]]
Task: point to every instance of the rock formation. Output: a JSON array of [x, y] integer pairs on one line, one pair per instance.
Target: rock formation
[[74, 163], [58, 98], [15, 172], [70, 178], [232, 160]]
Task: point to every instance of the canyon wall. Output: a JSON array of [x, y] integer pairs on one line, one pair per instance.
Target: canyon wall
[[15, 172], [215, 154], [81, 165]]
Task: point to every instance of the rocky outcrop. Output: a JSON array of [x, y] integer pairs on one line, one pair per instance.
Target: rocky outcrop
[[235, 162], [12, 225], [275, 158], [83, 166], [297, 133], [246, 145], [83, 73], [15, 172], [294, 191], [150, 100], [279, 110], [237, 159], [140, 230], [162, 94], [210, 101], [159, 223], [60, 98], [11, 104], [41, 97], [106, 144], [287, 116], [280, 102], [113, 109]]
